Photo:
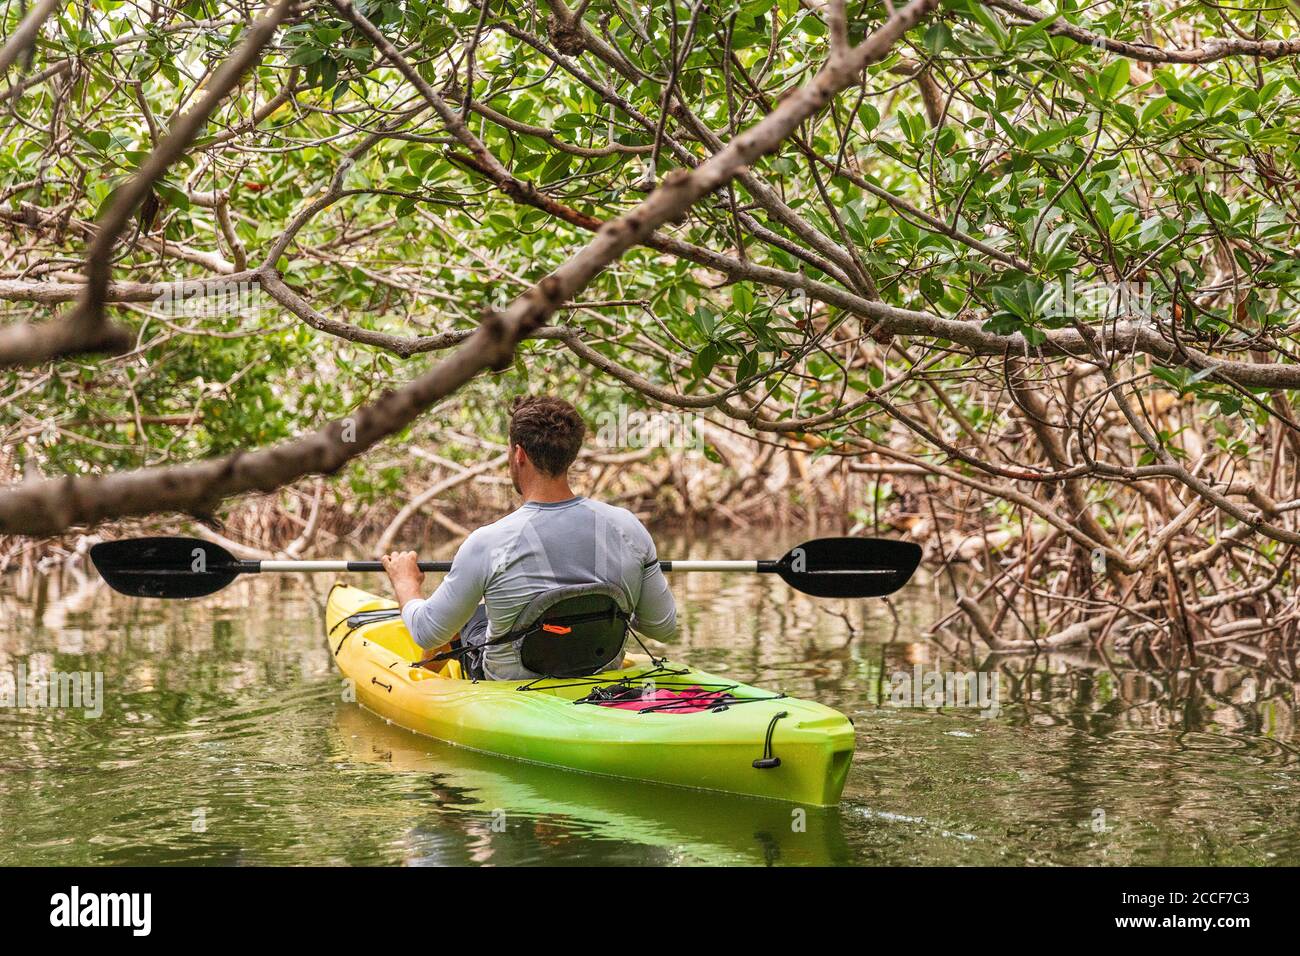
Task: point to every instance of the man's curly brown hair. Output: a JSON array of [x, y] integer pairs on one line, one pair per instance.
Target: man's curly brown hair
[[549, 430]]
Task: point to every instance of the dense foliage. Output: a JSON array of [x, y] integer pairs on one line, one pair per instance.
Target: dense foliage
[[1047, 256]]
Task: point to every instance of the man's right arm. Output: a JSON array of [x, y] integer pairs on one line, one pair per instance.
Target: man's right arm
[[435, 620]]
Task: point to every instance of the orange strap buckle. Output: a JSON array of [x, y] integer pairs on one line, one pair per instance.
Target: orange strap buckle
[[556, 629]]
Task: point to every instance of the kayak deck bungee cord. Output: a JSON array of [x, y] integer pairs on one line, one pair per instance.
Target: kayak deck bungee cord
[[711, 734]]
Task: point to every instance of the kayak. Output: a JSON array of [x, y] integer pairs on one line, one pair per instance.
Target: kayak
[[720, 830], [651, 720]]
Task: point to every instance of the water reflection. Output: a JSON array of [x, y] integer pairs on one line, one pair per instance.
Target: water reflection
[[224, 739]]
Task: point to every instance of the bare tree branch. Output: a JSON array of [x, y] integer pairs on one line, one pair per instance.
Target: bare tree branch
[[51, 506], [1214, 50], [25, 36], [85, 328], [186, 127]]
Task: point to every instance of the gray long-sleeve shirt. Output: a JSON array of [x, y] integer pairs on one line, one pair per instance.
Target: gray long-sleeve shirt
[[535, 549]]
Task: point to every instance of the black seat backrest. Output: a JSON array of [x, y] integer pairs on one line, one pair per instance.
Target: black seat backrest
[[573, 632]]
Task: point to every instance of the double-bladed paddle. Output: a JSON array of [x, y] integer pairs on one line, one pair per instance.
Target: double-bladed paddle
[[192, 567]]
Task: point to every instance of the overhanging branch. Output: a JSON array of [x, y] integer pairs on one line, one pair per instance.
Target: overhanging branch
[[48, 507]]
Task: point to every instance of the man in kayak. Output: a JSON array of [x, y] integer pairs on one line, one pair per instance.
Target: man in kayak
[[555, 539]]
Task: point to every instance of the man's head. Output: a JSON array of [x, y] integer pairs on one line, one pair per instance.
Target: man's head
[[545, 436]]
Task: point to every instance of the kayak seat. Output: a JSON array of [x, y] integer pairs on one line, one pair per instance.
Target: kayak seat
[[577, 635], [572, 631]]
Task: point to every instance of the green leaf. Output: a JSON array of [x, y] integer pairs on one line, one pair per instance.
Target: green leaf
[[1113, 80], [1122, 226], [937, 37], [1154, 108], [1047, 139], [747, 367], [812, 25], [877, 226], [869, 117], [704, 361], [742, 298], [705, 321], [175, 197], [1189, 96], [1022, 36], [1218, 208], [305, 55], [990, 23]]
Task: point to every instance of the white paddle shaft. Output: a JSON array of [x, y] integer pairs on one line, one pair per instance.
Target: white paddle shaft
[[710, 565], [303, 565], [342, 566]]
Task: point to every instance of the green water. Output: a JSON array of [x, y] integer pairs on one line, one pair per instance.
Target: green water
[[224, 739]]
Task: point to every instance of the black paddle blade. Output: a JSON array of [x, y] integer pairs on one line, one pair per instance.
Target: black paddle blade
[[849, 567], [164, 567]]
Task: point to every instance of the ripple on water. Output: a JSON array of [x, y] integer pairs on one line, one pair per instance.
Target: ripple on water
[[224, 740]]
